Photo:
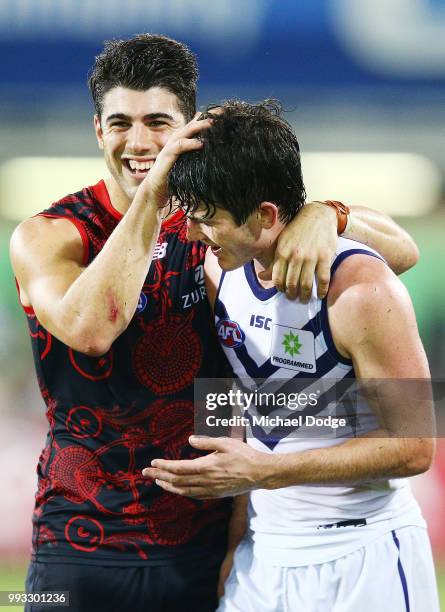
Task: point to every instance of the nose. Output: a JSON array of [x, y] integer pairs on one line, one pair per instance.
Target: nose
[[139, 139], [194, 230]]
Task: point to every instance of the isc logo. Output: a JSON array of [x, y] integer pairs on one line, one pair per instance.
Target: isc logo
[[260, 321], [230, 333]]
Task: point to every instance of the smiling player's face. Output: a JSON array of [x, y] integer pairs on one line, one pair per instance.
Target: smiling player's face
[[134, 127]]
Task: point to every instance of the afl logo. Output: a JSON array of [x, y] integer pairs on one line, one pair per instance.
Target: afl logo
[[230, 333], [142, 304]]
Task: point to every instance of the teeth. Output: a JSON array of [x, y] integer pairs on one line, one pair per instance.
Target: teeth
[[135, 165]]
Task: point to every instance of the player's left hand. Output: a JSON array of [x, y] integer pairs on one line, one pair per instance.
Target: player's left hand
[[231, 469], [304, 250]]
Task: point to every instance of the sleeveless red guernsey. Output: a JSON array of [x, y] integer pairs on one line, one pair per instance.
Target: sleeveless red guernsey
[[110, 416]]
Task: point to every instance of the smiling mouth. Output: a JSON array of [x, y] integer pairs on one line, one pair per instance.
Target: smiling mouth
[[138, 168]]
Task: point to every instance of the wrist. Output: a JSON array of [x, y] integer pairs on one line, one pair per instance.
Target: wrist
[[342, 212], [328, 212], [269, 470]]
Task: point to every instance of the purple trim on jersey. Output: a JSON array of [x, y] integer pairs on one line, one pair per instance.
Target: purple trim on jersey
[[346, 254], [218, 290], [324, 305], [258, 290], [270, 439], [401, 572]]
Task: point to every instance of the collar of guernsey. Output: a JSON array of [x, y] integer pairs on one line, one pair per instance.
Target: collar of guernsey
[[101, 192]]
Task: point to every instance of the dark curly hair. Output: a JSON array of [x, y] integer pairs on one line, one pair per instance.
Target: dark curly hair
[[250, 155], [144, 61]]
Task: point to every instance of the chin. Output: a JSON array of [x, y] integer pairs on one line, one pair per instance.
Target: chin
[[128, 186], [129, 190], [228, 266]]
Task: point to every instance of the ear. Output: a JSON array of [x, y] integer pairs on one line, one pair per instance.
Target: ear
[[268, 214], [98, 130]]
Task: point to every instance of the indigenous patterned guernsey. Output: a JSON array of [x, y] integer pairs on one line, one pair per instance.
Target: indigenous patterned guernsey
[[110, 416], [289, 347]]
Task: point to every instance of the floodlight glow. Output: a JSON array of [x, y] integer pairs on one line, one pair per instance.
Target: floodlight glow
[[400, 184], [30, 184]]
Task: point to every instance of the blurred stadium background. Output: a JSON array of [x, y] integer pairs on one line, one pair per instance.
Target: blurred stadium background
[[364, 84]]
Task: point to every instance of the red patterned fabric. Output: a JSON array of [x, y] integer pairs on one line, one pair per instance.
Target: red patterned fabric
[[108, 417]]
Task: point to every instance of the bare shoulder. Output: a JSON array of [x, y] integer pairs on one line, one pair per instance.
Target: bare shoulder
[[213, 275], [366, 300], [39, 246], [42, 236]]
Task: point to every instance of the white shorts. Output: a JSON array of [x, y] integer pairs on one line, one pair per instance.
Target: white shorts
[[394, 573]]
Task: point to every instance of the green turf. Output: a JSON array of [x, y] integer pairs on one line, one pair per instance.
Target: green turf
[[441, 583], [12, 578]]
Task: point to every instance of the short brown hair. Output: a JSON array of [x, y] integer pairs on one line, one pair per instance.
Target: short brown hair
[[142, 62]]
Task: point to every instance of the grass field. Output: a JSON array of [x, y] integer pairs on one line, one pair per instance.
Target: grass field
[[12, 578]]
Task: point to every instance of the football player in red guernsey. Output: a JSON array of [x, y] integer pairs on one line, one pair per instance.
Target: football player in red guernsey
[[120, 327]]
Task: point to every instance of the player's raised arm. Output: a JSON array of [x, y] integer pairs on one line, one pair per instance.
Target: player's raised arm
[[307, 244], [87, 308]]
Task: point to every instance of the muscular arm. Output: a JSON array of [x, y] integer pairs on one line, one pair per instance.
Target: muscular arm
[[381, 233], [87, 308], [306, 246]]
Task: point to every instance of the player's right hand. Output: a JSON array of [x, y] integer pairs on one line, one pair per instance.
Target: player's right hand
[[154, 186]]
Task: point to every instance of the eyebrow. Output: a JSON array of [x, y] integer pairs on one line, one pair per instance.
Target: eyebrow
[[148, 117], [204, 219]]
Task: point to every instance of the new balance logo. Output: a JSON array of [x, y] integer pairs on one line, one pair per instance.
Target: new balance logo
[[160, 250]]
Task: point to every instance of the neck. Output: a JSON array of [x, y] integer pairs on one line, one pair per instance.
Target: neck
[[262, 261], [121, 202], [119, 199]]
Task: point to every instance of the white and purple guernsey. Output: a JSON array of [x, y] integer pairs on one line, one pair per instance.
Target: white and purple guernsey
[[289, 346]]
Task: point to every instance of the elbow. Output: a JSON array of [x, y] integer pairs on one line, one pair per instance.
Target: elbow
[[95, 346], [92, 338], [410, 258], [413, 256], [421, 458], [91, 342]]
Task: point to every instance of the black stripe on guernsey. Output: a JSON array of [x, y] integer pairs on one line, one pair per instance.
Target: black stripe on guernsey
[[327, 334], [401, 572], [267, 368]]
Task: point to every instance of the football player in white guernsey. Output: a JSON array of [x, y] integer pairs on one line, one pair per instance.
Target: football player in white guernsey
[[331, 523]]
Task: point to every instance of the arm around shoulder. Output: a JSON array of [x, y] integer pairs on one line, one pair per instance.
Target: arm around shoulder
[[379, 231]]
